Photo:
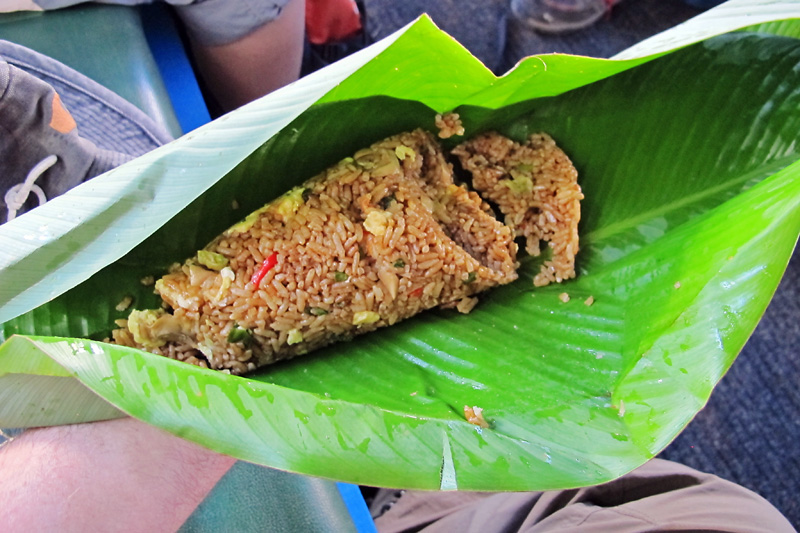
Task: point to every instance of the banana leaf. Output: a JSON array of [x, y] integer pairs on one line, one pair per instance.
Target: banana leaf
[[687, 149]]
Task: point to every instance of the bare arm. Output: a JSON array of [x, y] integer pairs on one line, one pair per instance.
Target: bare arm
[[265, 60], [105, 476]]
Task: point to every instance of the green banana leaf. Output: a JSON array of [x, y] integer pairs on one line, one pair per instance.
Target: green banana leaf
[[687, 149]]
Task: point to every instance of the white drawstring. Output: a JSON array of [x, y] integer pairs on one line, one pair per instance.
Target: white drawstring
[[17, 195]]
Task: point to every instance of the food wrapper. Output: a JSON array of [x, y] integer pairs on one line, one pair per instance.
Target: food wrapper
[[689, 218]]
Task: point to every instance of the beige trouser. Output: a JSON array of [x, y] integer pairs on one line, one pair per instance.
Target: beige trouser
[[659, 496]]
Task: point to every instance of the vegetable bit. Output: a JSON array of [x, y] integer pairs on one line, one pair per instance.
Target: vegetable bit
[[387, 201], [295, 337], [240, 334], [212, 260], [365, 317], [268, 264]]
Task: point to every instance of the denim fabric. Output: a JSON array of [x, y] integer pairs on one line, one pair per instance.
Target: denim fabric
[[102, 116], [109, 130]]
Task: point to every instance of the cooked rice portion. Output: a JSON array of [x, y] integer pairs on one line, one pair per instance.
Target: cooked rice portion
[[373, 240], [536, 188]]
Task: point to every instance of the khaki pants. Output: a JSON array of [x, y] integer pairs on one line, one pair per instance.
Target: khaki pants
[[659, 496]]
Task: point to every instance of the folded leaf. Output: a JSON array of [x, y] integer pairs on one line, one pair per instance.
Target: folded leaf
[[688, 158]]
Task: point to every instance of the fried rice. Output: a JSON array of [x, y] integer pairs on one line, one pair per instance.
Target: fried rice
[[535, 186], [373, 240]]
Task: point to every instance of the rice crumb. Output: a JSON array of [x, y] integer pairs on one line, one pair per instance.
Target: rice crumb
[[677, 285], [124, 303], [474, 415], [466, 304], [147, 281], [589, 301], [564, 297], [449, 125]]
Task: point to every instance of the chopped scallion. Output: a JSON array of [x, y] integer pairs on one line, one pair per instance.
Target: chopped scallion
[[240, 334]]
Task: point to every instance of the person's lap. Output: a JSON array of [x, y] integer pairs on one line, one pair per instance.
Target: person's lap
[[661, 495]]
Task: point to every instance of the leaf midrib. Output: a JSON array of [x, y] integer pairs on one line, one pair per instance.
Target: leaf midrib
[[631, 222]]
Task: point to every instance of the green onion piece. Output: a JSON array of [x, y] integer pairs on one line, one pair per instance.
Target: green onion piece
[[240, 334], [399, 263], [386, 201], [340, 276], [316, 311], [470, 277]]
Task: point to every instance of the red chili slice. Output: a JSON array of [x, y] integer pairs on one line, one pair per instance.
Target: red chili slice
[[268, 264], [416, 293]]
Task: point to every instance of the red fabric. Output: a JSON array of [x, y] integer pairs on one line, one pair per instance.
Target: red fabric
[[329, 21]]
